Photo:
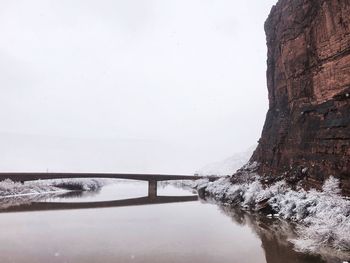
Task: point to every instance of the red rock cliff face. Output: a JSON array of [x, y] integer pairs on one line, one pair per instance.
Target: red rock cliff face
[[306, 135]]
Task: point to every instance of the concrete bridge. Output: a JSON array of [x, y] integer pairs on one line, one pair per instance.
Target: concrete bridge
[[152, 179]]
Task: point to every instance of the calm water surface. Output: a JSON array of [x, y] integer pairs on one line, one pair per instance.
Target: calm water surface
[[182, 230]]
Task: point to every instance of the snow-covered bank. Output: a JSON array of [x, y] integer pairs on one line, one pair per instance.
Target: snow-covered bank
[[10, 188], [275, 235], [322, 217]]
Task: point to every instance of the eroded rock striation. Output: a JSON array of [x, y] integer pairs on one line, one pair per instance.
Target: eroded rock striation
[[306, 136]]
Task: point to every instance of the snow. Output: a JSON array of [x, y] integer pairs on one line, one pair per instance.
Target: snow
[[10, 188], [228, 166], [322, 217]]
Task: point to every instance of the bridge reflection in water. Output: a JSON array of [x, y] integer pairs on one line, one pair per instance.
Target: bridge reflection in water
[[147, 200], [152, 180], [152, 197]]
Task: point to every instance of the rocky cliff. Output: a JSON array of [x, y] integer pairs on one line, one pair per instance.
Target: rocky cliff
[[306, 136]]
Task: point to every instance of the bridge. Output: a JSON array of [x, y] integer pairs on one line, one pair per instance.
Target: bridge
[[152, 197], [152, 179]]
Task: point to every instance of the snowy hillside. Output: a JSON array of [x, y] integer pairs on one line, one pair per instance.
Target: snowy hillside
[[229, 165]]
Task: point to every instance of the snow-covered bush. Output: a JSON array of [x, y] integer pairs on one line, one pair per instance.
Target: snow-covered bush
[[10, 188], [331, 186], [323, 217], [79, 184], [252, 194]]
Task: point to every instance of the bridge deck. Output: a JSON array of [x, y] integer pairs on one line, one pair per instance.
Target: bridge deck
[[141, 177]]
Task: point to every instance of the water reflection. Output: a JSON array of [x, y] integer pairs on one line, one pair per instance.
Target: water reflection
[[45, 205], [274, 235], [221, 241], [115, 195], [74, 194], [15, 201]]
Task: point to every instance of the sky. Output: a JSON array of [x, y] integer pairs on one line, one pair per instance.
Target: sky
[[154, 86]]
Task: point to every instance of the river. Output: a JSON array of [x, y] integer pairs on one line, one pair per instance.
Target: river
[[182, 229]]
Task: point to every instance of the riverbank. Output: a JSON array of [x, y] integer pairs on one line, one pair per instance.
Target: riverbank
[[322, 218], [9, 188]]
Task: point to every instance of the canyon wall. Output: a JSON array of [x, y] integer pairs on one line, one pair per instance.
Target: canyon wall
[[306, 136]]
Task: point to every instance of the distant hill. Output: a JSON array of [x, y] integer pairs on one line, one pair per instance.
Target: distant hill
[[228, 166]]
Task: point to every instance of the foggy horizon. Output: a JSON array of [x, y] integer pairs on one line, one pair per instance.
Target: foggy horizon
[[130, 86]]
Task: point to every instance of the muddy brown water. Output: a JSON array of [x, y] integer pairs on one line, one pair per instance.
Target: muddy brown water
[[183, 230]]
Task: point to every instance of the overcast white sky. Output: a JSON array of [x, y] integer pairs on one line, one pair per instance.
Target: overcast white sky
[[130, 86]]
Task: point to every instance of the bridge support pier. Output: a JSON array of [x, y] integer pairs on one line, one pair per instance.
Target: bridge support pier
[[152, 188]]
